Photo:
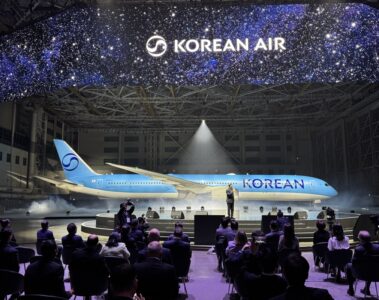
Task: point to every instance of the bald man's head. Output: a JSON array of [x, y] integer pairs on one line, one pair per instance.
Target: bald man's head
[[154, 235], [364, 236], [154, 249], [92, 241]]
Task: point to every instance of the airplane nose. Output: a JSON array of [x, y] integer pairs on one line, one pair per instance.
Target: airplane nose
[[333, 192]]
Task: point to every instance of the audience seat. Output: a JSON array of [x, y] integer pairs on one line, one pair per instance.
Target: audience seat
[[338, 259], [113, 261], [10, 283], [366, 268], [87, 287], [25, 255], [319, 252]]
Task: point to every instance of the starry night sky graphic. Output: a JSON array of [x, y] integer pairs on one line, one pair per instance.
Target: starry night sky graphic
[[106, 47]]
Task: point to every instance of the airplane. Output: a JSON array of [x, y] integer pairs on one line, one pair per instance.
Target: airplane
[[144, 184]]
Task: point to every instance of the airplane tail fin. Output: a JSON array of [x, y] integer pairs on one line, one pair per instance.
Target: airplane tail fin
[[73, 165]]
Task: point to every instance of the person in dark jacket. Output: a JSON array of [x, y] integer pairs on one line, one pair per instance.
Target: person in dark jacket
[[321, 235], [72, 240], [154, 235], [185, 237], [295, 271], [363, 250], [88, 263], [156, 279], [8, 253], [45, 275], [272, 238], [123, 283]]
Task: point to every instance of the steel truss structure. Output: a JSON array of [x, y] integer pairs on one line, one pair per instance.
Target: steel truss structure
[[242, 106]]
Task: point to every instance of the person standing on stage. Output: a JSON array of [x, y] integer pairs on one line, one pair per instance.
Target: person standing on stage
[[230, 200]]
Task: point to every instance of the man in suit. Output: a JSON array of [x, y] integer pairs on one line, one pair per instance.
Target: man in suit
[[72, 240], [224, 234], [180, 252], [44, 234], [8, 253], [87, 263], [124, 283], [364, 249], [295, 271], [156, 279], [230, 200], [184, 237], [265, 286], [272, 238], [45, 275], [154, 235]]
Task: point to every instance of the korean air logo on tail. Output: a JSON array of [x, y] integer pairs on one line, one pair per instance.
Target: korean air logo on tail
[[156, 46], [70, 162]]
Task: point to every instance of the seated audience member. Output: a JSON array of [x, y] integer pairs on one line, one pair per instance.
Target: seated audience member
[[88, 263], [234, 226], [295, 271], [44, 234], [45, 275], [364, 249], [281, 219], [185, 237], [288, 240], [338, 240], [240, 243], [8, 253], [272, 238], [6, 225], [123, 284], [115, 248], [72, 240], [224, 230], [180, 252], [223, 235], [321, 235], [137, 234], [142, 225], [268, 284], [154, 236], [156, 279], [129, 243]]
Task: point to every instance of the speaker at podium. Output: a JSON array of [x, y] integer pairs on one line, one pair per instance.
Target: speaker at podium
[[152, 214]]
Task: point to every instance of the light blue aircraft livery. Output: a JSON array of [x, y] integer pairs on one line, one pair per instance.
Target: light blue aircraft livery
[[81, 178]]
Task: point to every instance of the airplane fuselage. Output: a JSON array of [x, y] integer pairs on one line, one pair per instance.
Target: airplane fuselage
[[248, 187]]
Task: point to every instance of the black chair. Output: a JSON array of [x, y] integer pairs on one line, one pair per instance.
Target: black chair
[[220, 247], [67, 254], [10, 283], [366, 268], [319, 252], [113, 261], [338, 259], [25, 255], [181, 261], [40, 297]]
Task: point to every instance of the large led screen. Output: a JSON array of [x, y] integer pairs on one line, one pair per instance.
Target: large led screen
[[192, 45]]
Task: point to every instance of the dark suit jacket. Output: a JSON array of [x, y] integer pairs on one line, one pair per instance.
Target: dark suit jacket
[[156, 280], [45, 277], [9, 258], [87, 263], [304, 293], [166, 255], [272, 240], [226, 232], [181, 255], [263, 287], [321, 236], [362, 250], [185, 237], [73, 241]]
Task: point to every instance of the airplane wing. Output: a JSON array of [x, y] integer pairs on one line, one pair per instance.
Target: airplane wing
[[57, 183], [179, 183]]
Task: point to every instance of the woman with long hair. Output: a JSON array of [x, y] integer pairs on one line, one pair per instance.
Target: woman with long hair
[[338, 240], [115, 248], [288, 240]]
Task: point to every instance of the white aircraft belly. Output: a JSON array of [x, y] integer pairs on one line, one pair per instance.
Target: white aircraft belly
[[272, 196]]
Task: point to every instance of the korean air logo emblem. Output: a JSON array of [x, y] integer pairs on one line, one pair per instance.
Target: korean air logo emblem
[[70, 162], [156, 46]]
